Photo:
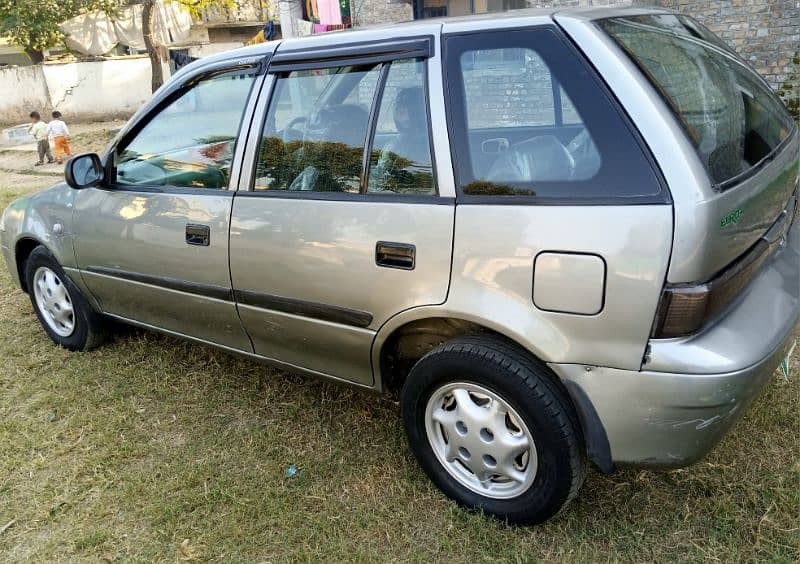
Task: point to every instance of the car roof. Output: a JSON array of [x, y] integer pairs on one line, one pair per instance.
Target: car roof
[[429, 26]]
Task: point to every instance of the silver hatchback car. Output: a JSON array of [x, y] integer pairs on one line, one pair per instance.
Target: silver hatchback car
[[561, 237]]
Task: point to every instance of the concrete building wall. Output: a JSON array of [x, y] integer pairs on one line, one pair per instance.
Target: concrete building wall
[[22, 90], [108, 88], [83, 90]]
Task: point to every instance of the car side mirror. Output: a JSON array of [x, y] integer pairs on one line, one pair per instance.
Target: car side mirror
[[84, 171]]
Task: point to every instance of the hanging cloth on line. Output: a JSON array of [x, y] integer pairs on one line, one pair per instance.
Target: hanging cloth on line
[[96, 33], [344, 9], [180, 58], [311, 10], [304, 28], [329, 12]]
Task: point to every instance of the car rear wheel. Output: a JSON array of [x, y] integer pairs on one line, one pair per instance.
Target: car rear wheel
[[493, 430], [64, 313]]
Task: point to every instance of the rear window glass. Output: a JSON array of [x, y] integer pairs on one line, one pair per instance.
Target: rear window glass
[[529, 119], [730, 115]]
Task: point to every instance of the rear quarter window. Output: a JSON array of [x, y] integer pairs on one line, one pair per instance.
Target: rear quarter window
[[528, 118], [730, 115]]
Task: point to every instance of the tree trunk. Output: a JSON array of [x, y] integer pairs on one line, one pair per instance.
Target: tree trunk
[[153, 50], [35, 55]]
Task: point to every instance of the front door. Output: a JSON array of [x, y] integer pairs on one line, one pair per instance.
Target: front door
[[342, 227], [153, 246]]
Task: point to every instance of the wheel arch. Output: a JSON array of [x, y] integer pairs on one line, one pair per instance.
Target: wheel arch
[[408, 336], [430, 326], [22, 250]]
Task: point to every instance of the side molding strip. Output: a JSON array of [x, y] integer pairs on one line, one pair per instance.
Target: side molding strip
[[324, 312], [293, 306], [207, 290]]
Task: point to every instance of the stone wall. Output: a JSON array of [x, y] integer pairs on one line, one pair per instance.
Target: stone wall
[[241, 11], [508, 88], [765, 32], [371, 12]]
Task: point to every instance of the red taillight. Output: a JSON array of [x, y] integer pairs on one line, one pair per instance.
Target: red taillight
[[685, 309], [682, 311]]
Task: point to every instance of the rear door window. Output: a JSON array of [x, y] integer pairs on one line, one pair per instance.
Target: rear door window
[[730, 115], [353, 129], [316, 129], [528, 118], [400, 161]]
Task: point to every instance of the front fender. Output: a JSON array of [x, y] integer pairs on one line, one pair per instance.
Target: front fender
[[43, 218]]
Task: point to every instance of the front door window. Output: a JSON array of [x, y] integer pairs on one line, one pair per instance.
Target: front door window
[[189, 143]]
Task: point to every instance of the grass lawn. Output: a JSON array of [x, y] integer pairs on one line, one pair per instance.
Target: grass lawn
[[152, 449]]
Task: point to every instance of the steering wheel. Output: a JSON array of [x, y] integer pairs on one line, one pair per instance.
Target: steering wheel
[[290, 132]]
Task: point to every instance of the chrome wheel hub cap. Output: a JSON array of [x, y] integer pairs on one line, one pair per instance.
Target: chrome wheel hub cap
[[53, 302], [481, 440]]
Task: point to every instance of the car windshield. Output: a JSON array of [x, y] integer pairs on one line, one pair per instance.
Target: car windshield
[[731, 116]]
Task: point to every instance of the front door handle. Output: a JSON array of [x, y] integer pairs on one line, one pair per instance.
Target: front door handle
[[199, 235], [395, 255]]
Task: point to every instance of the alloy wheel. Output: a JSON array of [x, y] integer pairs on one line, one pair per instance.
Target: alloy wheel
[[481, 440], [53, 301]]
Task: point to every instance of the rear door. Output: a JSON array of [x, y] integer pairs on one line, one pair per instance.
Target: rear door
[[341, 225], [153, 246], [563, 236]]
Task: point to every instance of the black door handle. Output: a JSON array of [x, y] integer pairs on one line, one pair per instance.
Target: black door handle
[[198, 235], [395, 255]]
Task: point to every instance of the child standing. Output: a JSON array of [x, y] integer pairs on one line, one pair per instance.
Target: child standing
[[58, 129], [40, 132]]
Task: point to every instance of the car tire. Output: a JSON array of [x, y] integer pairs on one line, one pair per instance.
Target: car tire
[[64, 313], [477, 396]]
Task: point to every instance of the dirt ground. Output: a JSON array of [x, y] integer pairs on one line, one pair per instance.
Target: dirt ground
[[18, 160]]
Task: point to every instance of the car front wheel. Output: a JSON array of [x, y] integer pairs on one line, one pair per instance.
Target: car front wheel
[[493, 430], [64, 313]]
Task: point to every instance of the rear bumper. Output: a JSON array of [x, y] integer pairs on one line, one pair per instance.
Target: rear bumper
[[693, 389]]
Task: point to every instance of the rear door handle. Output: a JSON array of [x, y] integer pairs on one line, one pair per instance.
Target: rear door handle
[[395, 255], [199, 235]]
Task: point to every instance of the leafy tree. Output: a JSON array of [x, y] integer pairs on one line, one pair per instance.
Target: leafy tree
[[155, 52], [33, 24]]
